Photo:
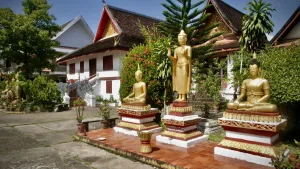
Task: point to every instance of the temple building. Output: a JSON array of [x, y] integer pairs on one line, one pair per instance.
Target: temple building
[[99, 63], [290, 31], [231, 27]]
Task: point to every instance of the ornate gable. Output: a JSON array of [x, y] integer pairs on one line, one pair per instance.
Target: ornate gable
[[109, 30], [215, 18]]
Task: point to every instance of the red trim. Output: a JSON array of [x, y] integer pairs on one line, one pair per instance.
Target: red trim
[[167, 125], [137, 116], [252, 142], [245, 151], [250, 131], [180, 114], [102, 25]]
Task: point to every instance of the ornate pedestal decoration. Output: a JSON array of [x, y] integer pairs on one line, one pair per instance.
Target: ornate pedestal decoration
[[250, 135], [145, 138], [135, 118], [181, 126]]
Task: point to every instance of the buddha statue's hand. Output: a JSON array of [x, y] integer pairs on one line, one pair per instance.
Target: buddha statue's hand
[[169, 52]]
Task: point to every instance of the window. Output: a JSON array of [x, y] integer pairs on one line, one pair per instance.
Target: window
[[72, 68], [108, 86], [82, 67], [108, 62]]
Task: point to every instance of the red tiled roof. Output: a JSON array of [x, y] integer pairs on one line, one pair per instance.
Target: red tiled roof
[[291, 22]]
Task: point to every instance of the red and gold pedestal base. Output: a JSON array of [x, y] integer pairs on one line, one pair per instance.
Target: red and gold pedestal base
[[181, 127], [251, 140], [135, 120]]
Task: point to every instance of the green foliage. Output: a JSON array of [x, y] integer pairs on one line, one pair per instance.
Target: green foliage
[[255, 26], [287, 157], [41, 91], [183, 15], [149, 57], [104, 111], [217, 136], [26, 39], [209, 79], [281, 66], [79, 105]]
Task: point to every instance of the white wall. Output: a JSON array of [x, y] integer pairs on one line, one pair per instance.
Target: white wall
[[229, 91], [294, 33], [115, 89], [100, 87], [75, 36]]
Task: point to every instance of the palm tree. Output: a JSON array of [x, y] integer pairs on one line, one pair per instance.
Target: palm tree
[[255, 26], [183, 15]]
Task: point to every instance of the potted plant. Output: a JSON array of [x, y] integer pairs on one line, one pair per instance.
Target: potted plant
[[79, 108], [105, 114]]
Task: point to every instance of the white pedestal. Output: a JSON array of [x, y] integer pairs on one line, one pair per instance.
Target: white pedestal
[[243, 156], [181, 143]]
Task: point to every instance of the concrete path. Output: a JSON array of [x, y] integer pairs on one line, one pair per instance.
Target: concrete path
[[44, 140]]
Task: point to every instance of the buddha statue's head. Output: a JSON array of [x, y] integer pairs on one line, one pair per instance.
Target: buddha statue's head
[[254, 68], [182, 38], [138, 74]]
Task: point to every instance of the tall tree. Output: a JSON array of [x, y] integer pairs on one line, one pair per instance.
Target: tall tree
[[183, 15], [255, 26], [26, 39]]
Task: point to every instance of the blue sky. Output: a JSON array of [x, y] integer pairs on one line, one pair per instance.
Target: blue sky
[[65, 10]]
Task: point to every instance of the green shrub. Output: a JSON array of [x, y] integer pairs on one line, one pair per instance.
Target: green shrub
[[148, 59], [104, 111], [42, 92], [281, 66]]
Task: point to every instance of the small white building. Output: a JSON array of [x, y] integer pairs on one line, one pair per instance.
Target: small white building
[[96, 67], [74, 34]]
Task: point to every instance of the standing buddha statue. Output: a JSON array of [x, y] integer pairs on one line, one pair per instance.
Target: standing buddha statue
[[181, 67]]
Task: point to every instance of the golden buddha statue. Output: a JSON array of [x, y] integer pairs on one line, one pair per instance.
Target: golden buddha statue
[[139, 91], [258, 93], [181, 67]]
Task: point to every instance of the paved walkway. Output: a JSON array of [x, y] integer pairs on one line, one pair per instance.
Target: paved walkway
[[44, 140]]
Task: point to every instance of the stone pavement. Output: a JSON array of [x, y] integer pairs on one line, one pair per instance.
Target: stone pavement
[[44, 140]]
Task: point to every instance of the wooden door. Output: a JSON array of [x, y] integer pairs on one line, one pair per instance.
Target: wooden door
[[92, 65]]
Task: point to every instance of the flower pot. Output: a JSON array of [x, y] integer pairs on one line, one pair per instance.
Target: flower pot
[[105, 124], [80, 128], [145, 138]]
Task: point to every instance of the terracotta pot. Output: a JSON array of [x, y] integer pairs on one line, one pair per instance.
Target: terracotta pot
[[80, 128], [105, 124], [145, 138]]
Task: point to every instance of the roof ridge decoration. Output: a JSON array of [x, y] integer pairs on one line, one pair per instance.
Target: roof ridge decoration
[[286, 26], [134, 13], [233, 21]]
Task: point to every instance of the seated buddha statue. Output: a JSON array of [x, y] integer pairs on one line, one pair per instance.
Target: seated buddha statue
[[139, 91], [257, 90]]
